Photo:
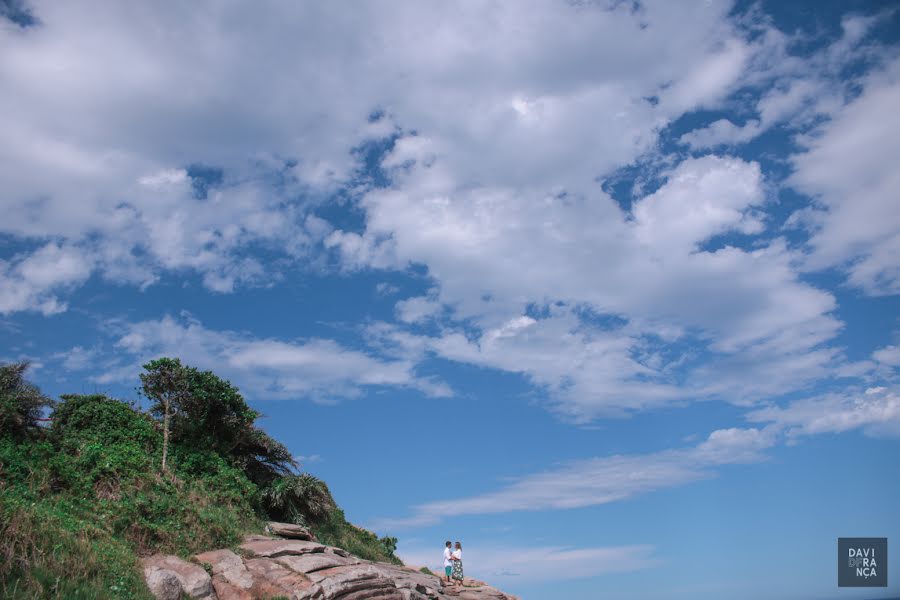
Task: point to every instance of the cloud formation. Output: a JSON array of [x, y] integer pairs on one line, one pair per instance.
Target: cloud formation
[[320, 369], [114, 106], [849, 167], [601, 480], [596, 481]]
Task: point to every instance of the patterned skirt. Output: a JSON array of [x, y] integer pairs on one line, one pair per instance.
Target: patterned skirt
[[457, 572]]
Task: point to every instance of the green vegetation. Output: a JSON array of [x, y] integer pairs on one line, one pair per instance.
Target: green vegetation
[[82, 499], [335, 530], [21, 403]]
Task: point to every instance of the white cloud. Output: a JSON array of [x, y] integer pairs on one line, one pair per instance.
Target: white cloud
[[530, 564], [30, 281], [587, 373], [889, 355], [722, 131], [78, 358], [517, 114], [596, 481], [876, 410], [496, 253], [386, 289], [602, 480], [702, 198], [110, 106], [850, 167], [797, 89], [708, 82], [419, 308], [320, 369]]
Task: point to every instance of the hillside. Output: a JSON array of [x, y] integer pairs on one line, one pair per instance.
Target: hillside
[[89, 493]]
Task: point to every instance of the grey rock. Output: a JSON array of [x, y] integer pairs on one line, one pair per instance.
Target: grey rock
[[273, 579], [307, 563], [227, 591], [355, 582], [195, 582], [410, 579], [275, 548], [228, 566], [290, 530], [163, 583]]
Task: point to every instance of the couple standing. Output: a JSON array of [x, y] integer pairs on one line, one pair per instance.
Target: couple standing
[[453, 563]]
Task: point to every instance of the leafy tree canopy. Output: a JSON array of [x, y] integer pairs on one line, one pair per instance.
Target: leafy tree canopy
[[21, 402], [207, 411]]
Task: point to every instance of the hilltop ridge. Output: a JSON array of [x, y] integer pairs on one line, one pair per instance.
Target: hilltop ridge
[[87, 499]]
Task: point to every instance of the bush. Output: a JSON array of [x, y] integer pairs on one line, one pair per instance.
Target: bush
[[297, 499], [206, 411], [335, 530], [102, 443], [21, 403], [52, 545]]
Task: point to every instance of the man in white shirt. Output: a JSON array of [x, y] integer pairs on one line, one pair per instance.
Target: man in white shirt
[[448, 566]]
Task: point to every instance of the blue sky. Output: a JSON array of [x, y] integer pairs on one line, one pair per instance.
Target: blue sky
[[606, 290]]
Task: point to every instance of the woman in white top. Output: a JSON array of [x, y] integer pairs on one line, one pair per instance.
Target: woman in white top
[[457, 563]]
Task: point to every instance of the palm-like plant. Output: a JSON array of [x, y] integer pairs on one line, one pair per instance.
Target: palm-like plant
[[300, 499], [263, 458], [21, 402]]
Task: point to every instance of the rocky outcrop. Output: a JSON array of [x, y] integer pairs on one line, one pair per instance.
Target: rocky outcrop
[[472, 589], [230, 578], [289, 530], [296, 567], [193, 579]]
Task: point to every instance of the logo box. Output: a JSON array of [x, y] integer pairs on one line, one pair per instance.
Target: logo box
[[862, 562]]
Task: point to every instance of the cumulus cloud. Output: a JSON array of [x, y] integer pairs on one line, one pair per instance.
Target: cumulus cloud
[[109, 113], [419, 308], [499, 125], [587, 373], [889, 355], [793, 90], [32, 280], [849, 167], [619, 300]]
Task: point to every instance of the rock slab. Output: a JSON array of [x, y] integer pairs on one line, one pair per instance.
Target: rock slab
[[193, 579], [290, 530]]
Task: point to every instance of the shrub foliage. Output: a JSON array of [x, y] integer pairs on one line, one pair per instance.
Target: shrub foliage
[[21, 403], [82, 499]]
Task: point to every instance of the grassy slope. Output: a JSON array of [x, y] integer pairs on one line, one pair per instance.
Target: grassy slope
[[79, 504]]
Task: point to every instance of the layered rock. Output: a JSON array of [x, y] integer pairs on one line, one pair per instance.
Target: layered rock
[[298, 568], [290, 530], [193, 580]]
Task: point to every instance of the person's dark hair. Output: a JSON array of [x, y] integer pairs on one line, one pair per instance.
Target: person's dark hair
[[458, 545], [449, 543]]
